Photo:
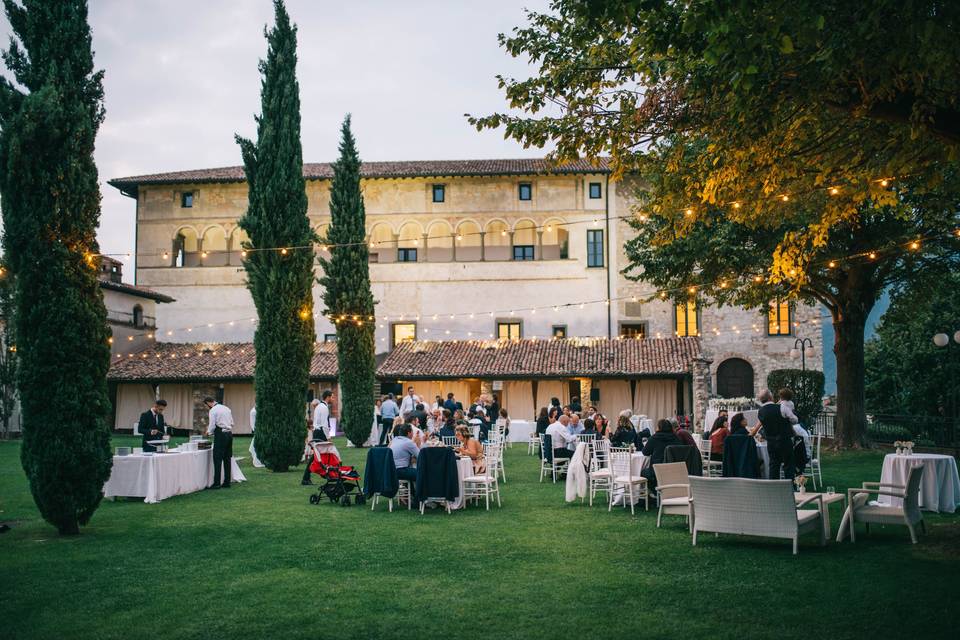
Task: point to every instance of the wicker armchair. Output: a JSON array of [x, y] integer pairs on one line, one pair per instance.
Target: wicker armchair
[[907, 514]]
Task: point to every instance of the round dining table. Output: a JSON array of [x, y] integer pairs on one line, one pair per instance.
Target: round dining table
[[939, 486]]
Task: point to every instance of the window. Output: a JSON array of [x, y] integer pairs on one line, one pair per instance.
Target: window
[[526, 191], [509, 329], [329, 337], [687, 319], [406, 255], [186, 199], [778, 319], [634, 330], [559, 331], [594, 247], [596, 192], [439, 192], [402, 332], [523, 252], [137, 316]]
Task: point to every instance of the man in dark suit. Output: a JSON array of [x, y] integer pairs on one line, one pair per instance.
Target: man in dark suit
[[151, 425], [779, 434], [656, 448]]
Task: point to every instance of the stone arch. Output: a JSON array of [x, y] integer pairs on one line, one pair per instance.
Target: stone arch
[[555, 238], [214, 245], [525, 232], [381, 239], [735, 377], [469, 241], [439, 241], [186, 247]]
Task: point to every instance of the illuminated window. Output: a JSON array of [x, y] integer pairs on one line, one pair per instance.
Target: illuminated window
[[329, 337], [402, 332], [509, 330], [778, 319], [687, 319], [634, 330], [559, 331]]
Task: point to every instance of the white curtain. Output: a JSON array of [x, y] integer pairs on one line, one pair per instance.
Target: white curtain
[[179, 411], [517, 398], [132, 400], [614, 397], [240, 397], [656, 399], [547, 389]]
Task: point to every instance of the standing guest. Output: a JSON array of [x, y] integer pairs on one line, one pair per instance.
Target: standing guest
[[656, 447], [405, 454], [718, 433], [437, 403], [479, 406], [560, 437], [449, 428], [451, 404], [151, 425], [321, 416], [220, 425], [543, 421], [494, 408], [575, 406], [409, 402], [388, 413], [471, 448], [555, 404], [420, 415], [503, 422], [779, 434]]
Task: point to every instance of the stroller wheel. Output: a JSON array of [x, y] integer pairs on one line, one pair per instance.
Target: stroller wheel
[[345, 501], [314, 499]]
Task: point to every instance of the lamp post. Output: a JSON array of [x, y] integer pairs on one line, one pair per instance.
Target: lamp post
[[803, 348], [942, 341]]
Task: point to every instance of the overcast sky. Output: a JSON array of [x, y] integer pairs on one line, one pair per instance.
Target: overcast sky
[[182, 78]]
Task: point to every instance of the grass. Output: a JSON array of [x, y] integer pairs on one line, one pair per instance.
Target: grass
[[259, 561]]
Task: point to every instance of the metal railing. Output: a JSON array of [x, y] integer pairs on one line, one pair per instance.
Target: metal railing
[[884, 428]]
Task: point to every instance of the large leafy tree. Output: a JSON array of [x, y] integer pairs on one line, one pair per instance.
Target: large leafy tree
[[49, 117], [279, 262], [906, 373], [347, 294], [795, 122]]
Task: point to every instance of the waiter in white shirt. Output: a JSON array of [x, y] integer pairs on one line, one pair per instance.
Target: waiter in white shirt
[[321, 417], [220, 426], [409, 403]]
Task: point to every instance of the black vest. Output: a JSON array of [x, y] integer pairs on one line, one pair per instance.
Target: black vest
[[775, 426]]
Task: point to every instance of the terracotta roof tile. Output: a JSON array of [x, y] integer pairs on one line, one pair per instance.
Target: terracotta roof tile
[[595, 357], [199, 361], [370, 170]]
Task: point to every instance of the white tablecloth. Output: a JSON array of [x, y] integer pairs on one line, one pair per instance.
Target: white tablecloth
[[939, 486], [157, 477], [520, 430], [712, 414]]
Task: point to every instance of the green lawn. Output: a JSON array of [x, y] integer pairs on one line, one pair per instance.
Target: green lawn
[[260, 562]]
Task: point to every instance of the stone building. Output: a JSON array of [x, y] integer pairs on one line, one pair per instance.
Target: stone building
[[459, 250], [131, 310]]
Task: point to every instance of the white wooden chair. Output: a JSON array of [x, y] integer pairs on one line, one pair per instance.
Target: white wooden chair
[[586, 437], [743, 506], [484, 485], [450, 441], [634, 487], [499, 444], [673, 491], [403, 495], [600, 476], [907, 514], [816, 473], [533, 444], [704, 445], [549, 464]]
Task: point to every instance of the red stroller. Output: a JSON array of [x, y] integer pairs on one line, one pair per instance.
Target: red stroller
[[341, 481]]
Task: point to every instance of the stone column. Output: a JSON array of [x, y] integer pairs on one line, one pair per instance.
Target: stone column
[[426, 247], [486, 388], [539, 248], [174, 252], [230, 250], [483, 246], [396, 248], [586, 385], [201, 261], [511, 245], [453, 238]]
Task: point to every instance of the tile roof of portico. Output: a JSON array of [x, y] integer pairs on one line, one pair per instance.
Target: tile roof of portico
[[541, 358], [202, 361], [373, 170]]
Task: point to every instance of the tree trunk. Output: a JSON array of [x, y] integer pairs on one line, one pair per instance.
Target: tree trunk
[[849, 322]]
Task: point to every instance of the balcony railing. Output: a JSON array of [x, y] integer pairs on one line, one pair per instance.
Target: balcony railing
[[127, 318]]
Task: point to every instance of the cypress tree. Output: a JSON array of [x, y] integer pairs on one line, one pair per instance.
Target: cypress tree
[[279, 261], [347, 294], [51, 208]]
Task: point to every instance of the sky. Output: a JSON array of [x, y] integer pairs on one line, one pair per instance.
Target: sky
[[182, 78]]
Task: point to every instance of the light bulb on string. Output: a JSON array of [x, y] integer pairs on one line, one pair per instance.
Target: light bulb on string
[[834, 191]]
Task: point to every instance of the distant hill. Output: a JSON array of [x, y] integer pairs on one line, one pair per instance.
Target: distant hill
[[829, 360]]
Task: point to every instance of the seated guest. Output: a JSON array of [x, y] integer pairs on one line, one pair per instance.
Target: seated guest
[[421, 415], [718, 433], [574, 428], [448, 430], [738, 425], [404, 454], [560, 437], [437, 403], [603, 425], [624, 436], [740, 459], [416, 433], [151, 425], [470, 447], [685, 437], [543, 421], [590, 428], [655, 448]]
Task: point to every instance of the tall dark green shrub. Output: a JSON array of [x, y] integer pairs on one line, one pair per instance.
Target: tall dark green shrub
[[51, 208], [347, 294], [807, 387], [279, 262]]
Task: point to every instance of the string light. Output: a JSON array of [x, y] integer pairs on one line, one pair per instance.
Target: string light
[[283, 251], [834, 191], [785, 197]]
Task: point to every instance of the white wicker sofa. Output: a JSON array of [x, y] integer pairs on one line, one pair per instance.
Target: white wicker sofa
[[748, 507]]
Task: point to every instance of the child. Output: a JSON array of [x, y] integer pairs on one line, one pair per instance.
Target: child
[[787, 409]]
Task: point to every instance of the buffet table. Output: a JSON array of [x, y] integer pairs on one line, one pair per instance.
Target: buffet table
[[161, 475], [520, 430]]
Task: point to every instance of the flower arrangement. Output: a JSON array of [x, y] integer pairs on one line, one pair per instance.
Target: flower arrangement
[[732, 404], [800, 482], [904, 447]]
